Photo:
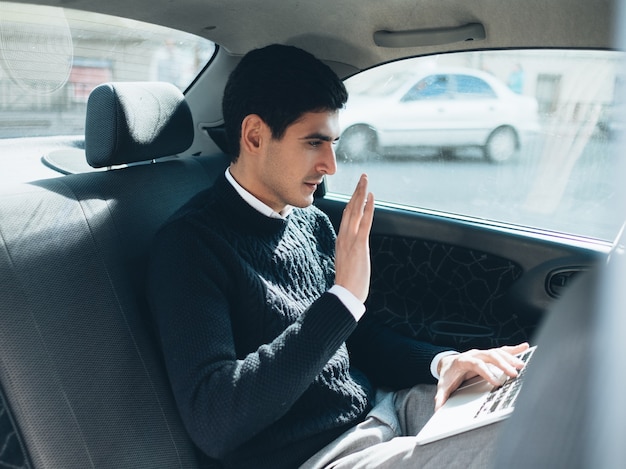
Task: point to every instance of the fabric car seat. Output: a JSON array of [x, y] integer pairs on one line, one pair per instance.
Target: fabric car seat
[[82, 381]]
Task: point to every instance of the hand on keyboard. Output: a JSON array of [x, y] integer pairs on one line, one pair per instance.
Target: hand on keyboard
[[457, 368], [499, 375]]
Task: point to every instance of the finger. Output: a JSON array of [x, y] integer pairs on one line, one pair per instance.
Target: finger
[[365, 224], [445, 387], [515, 349], [508, 355], [483, 369], [440, 399], [359, 195], [354, 209], [503, 359]]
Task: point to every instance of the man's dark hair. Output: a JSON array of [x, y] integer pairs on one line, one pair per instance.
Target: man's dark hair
[[278, 83]]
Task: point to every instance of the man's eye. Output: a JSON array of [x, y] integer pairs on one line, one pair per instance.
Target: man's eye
[[315, 143]]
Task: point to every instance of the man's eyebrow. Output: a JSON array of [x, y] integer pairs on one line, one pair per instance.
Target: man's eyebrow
[[318, 136]]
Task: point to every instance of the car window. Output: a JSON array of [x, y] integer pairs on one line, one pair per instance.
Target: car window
[[534, 147], [469, 87], [53, 57], [432, 87]]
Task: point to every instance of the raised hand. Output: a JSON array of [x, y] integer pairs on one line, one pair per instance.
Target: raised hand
[[352, 256]]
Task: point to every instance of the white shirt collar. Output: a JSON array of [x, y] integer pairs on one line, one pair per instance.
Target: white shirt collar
[[256, 203]]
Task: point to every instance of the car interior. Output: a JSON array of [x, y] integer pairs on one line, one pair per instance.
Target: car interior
[[81, 376]]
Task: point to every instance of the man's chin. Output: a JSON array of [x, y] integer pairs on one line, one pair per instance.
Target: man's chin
[[303, 203]]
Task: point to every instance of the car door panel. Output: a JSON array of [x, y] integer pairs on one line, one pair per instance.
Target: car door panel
[[414, 123], [463, 284]]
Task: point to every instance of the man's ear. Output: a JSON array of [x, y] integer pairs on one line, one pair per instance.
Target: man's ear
[[253, 133]]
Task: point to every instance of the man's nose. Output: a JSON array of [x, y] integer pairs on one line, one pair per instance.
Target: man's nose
[[328, 161]]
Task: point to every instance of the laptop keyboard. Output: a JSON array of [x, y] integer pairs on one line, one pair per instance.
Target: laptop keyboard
[[504, 396]]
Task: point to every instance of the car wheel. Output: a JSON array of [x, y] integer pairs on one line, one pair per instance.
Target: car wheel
[[501, 145], [358, 143]]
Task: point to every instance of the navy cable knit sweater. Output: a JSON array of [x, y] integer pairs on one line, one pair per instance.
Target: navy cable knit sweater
[[253, 343]]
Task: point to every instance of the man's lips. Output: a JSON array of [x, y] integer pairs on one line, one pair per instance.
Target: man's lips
[[313, 185]]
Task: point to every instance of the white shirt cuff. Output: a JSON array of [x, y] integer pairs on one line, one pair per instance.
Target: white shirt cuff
[[434, 365], [356, 308]]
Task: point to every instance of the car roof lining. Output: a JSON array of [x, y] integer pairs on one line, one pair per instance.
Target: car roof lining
[[343, 32]]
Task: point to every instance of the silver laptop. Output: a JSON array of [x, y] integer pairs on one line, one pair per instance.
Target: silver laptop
[[475, 404]]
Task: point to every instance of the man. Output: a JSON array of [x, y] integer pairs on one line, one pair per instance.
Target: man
[[255, 298]]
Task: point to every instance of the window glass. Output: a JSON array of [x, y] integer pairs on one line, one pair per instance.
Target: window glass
[[534, 146], [432, 87], [468, 87], [53, 57]]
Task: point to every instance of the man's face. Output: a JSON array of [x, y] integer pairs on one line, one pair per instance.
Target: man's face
[[294, 166]]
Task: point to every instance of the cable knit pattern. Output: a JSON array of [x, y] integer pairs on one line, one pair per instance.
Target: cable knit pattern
[[254, 346]]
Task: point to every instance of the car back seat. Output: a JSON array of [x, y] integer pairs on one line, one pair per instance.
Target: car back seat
[[82, 381]]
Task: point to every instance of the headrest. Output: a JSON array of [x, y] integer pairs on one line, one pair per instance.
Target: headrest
[[136, 121]]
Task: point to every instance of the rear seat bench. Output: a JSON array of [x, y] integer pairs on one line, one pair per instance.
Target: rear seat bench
[[81, 377]]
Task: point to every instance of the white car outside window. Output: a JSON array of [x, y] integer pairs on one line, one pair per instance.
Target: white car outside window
[[446, 108], [513, 137]]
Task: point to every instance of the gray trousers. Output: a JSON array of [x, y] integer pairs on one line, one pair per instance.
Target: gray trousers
[[384, 439]]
